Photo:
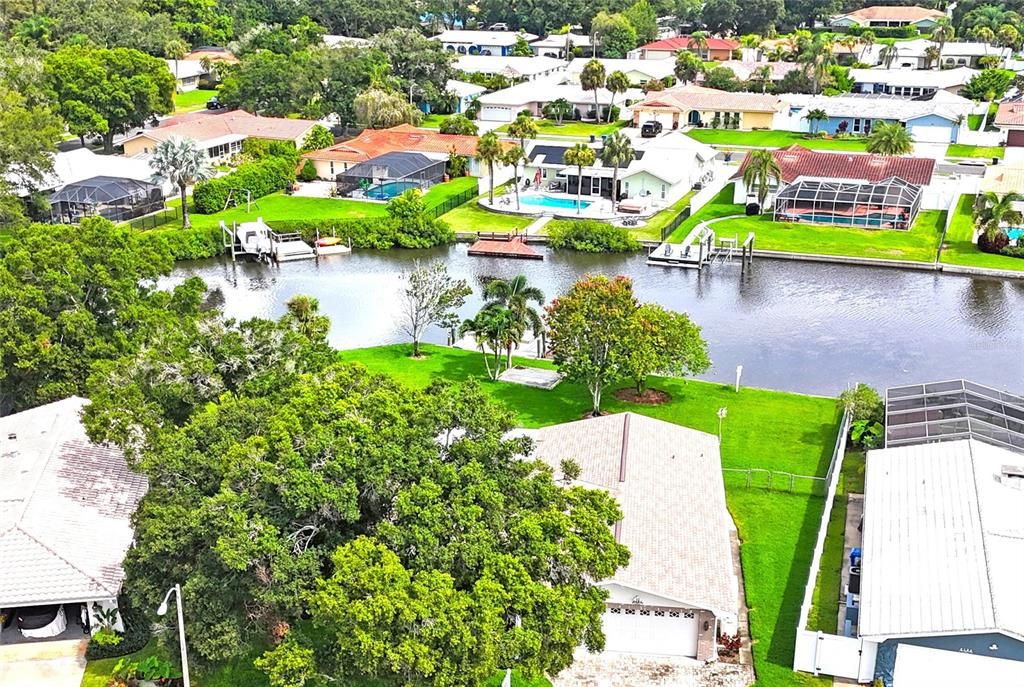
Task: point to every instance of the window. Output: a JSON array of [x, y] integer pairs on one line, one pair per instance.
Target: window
[[595, 186], [663, 191], [625, 187]]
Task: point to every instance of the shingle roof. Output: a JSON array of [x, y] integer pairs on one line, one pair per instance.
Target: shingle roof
[[683, 43], [668, 482], [65, 509], [689, 97], [943, 541], [1010, 114], [894, 13], [934, 78], [372, 143], [797, 161], [238, 122]]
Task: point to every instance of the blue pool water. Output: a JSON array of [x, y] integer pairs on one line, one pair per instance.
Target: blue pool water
[[859, 221], [1015, 233], [389, 189], [553, 203]]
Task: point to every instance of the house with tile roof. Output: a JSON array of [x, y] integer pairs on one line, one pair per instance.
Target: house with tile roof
[[221, 135], [886, 16], [692, 105], [718, 49], [680, 590], [65, 513], [504, 105], [1009, 120]]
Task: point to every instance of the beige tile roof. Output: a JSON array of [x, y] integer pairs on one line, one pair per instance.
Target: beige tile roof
[[894, 13], [690, 97], [65, 509], [239, 122], [668, 481]]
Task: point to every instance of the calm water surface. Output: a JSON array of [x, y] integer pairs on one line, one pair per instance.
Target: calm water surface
[[797, 326]]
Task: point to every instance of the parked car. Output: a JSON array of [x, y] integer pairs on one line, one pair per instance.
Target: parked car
[[499, 26], [215, 104], [650, 129], [41, 621]]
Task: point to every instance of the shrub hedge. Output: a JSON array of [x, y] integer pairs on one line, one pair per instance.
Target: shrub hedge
[[260, 178], [591, 236], [379, 233], [885, 31], [136, 635], [188, 244]]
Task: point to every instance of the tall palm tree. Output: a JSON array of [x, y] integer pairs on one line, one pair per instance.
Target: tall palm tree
[[489, 151], [992, 211], [183, 164], [890, 52], [591, 79], [617, 82], [931, 56], [761, 169], [175, 49], [985, 35], [513, 157], [817, 57], [491, 328], [699, 43], [763, 76], [523, 128], [815, 117], [889, 138], [688, 66], [582, 156], [942, 34], [867, 39], [516, 294], [617, 152]]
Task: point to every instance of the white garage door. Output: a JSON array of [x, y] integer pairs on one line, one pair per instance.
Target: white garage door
[[666, 120], [651, 630], [930, 134], [492, 113]]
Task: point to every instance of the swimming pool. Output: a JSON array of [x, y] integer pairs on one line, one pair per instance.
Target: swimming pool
[[389, 189], [1015, 233], [875, 220], [539, 200]]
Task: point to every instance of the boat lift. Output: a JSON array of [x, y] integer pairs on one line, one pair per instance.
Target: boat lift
[[700, 248], [258, 240]]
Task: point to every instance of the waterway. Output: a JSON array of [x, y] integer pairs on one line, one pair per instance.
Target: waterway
[[805, 327]]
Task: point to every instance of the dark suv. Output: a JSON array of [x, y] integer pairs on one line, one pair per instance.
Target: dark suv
[[650, 129], [214, 103]]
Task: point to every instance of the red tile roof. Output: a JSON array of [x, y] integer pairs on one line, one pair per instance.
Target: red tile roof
[[683, 43], [372, 143], [1010, 114], [797, 161]]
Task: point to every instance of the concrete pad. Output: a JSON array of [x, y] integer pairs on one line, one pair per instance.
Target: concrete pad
[[57, 672], [531, 376], [936, 151], [625, 670]]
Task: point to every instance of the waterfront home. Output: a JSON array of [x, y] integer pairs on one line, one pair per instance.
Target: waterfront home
[[504, 105], [554, 45], [638, 71], [718, 49], [914, 54], [680, 590], [909, 83], [221, 135], [698, 106], [480, 42], [512, 67], [890, 16], [846, 189], [1009, 120], [80, 164]]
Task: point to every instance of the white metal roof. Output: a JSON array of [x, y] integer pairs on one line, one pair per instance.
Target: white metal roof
[[544, 91], [919, 665], [510, 65], [481, 37], [463, 89], [65, 509], [185, 69], [557, 40], [943, 544], [926, 78], [946, 105]]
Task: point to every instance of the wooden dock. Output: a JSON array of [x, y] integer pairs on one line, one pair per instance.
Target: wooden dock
[[495, 245]]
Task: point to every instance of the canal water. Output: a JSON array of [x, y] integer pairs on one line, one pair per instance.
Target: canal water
[[812, 328]]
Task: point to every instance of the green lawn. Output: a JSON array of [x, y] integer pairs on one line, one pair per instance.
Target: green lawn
[[471, 217], [960, 250], [434, 121], [984, 152], [652, 229], [766, 429], [549, 127], [919, 244], [190, 101], [773, 139]]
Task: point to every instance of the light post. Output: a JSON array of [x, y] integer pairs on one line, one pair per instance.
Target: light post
[[162, 610]]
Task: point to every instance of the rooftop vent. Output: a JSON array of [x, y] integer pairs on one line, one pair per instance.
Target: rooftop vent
[[12, 436]]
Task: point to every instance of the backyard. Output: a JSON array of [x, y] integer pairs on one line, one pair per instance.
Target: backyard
[[434, 121], [920, 244], [959, 249], [470, 217], [773, 139], [957, 150], [549, 127], [191, 101]]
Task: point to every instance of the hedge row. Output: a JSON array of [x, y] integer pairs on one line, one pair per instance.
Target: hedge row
[[188, 244], [136, 635], [379, 233], [885, 31], [260, 178], [591, 236]]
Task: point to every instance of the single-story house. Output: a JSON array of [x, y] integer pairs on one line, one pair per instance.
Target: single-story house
[[885, 16], [404, 138], [717, 49], [691, 105], [335, 41], [939, 117], [187, 73], [504, 105], [943, 544], [221, 135], [679, 591], [81, 163], [511, 67], [480, 42], [909, 83], [662, 171], [554, 45], [464, 92], [1009, 120], [66, 520], [638, 71], [858, 189], [912, 54]]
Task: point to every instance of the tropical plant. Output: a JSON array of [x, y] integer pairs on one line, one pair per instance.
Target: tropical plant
[[890, 52], [318, 138], [617, 82], [592, 78], [992, 211], [513, 157], [523, 127], [582, 156], [931, 56], [889, 138], [815, 117], [762, 77], [489, 151], [430, 297], [495, 330], [688, 66], [457, 164], [817, 56], [617, 153], [516, 294], [175, 49], [558, 110], [1010, 36], [180, 162], [458, 124], [867, 39], [699, 44], [942, 34], [762, 168], [377, 108]]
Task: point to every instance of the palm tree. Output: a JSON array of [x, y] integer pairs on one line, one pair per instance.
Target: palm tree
[[817, 57], [491, 328], [512, 157], [489, 151], [815, 117], [183, 164], [890, 52], [889, 138], [688, 66], [985, 35], [175, 49], [516, 294], [763, 76], [617, 82], [558, 110], [523, 128], [699, 43], [582, 156], [867, 39], [591, 79], [931, 56], [759, 172], [617, 152], [992, 211], [941, 34]]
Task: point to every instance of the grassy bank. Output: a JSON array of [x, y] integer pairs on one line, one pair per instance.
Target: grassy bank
[[773, 139], [959, 249], [983, 152], [470, 217]]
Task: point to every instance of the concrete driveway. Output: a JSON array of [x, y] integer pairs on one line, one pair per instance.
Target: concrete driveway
[[609, 669], [53, 664], [935, 151]]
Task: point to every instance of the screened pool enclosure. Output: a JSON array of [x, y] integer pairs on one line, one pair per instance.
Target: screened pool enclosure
[[888, 204], [390, 175], [116, 198]]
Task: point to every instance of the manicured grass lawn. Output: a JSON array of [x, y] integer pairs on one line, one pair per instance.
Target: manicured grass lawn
[[434, 121], [960, 250], [652, 230], [773, 139], [549, 127], [190, 101], [985, 152], [919, 244], [471, 217], [767, 429]]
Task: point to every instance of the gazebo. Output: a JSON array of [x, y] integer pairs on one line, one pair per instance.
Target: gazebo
[[116, 198], [390, 175], [888, 204]]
